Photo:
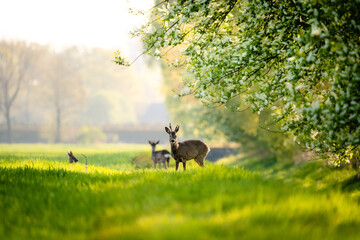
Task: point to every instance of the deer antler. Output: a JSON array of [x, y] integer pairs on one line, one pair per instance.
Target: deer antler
[[170, 127]]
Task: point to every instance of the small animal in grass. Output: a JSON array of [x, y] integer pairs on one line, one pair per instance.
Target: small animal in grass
[[159, 157], [186, 150], [72, 158]]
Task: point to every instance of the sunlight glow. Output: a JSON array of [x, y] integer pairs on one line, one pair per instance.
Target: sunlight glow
[[63, 23]]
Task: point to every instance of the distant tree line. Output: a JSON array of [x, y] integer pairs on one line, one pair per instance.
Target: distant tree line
[[74, 86]]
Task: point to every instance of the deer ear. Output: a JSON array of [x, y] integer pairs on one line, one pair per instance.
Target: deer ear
[[177, 128], [167, 130], [149, 142], [157, 142]]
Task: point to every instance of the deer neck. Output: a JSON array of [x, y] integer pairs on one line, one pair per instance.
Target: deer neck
[[153, 150], [175, 147]]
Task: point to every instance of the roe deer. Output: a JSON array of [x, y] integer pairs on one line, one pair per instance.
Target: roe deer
[[186, 150], [72, 158], [159, 157]]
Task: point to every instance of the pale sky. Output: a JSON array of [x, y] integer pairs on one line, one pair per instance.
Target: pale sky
[[90, 23], [61, 23]]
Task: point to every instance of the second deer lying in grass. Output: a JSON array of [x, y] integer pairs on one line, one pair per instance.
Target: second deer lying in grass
[[186, 150], [160, 157]]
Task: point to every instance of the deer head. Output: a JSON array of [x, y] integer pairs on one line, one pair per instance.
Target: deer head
[[172, 134], [72, 158]]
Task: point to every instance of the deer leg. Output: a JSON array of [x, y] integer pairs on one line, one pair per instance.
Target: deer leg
[[184, 164], [168, 160], [164, 165], [200, 161], [197, 161], [154, 164], [177, 165]]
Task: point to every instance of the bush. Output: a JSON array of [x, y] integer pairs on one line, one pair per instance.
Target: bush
[[142, 161]]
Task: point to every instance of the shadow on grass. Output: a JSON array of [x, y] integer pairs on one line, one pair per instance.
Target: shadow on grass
[[309, 174], [352, 183]]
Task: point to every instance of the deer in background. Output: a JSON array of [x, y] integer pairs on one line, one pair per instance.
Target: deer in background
[[159, 157], [186, 150], [72, 158]]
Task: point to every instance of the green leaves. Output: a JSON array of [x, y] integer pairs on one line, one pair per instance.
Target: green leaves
[[120, 60], [302, 55]]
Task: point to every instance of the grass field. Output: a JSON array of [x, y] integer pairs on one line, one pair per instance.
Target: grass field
[[44, 197]]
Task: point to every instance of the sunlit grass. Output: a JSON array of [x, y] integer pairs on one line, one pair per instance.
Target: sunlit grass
[[48, 198], [114, 156]]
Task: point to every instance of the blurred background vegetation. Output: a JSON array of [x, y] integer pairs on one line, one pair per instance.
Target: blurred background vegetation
[[53, 96]]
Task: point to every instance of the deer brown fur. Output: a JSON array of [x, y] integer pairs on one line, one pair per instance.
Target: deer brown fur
[[186, 150]]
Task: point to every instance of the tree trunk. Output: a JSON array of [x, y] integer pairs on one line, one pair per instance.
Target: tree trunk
[[58, 125], [8, 123]]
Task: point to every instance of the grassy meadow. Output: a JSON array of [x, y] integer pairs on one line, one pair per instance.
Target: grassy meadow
[[42, 196]]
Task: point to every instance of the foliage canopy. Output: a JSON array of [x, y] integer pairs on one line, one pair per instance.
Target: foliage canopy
[[299, 58]]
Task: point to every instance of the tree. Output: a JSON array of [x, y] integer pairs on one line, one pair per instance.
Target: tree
[[63, 87], [15, 62], [219, 125], [112, 94], [299, 58]]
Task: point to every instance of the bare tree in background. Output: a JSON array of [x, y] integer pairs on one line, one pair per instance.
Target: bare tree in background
[[15, 60], [64, 91]]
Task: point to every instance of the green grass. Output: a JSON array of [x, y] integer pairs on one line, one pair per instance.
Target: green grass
[[44, 197], [110, 156]]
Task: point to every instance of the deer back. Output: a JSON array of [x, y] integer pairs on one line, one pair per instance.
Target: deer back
[[190, 149], [162, 155]]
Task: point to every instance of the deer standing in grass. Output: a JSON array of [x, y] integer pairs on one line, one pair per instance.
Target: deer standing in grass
[[159, 157], [186, 150]]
